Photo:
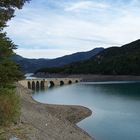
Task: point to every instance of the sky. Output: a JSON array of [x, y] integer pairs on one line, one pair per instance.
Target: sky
[[53, 28]]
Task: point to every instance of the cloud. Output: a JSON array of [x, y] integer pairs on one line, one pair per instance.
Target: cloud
[[85, 5], [73, 25], [46, 32]]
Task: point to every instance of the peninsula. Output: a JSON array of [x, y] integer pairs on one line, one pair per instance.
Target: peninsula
[[44, 121]]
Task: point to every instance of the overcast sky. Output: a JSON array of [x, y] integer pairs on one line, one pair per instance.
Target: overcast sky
[[53, 28]]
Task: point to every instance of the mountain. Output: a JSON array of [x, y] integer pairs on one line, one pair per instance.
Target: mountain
[[31, 65], [123, 60]]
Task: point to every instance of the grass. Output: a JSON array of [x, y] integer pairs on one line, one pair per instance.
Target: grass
[[9, 106]]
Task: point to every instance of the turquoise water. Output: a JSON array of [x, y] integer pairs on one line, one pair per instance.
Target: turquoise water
[[115, 107]]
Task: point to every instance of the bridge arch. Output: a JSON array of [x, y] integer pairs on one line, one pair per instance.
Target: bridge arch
[[61, 83], [42, 84], [29, 85], [69, 82], [51, 84], [76, 81], [33, 85], [37, 85]]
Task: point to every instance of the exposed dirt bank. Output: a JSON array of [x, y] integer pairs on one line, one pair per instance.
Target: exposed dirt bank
[[46, 122]]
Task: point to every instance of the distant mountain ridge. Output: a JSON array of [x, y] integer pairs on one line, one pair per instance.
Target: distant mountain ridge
[[123, 60], [31, 65]]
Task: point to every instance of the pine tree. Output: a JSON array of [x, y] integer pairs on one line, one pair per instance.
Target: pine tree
[[9, 71]]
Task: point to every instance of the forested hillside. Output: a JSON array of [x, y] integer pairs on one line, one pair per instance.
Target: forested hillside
[[31, 65], [123, 60]]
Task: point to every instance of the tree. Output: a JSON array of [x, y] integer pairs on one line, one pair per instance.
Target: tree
[[7, 9], [9, 71]]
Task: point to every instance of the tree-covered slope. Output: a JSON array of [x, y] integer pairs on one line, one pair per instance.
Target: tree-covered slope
[[123, 60], [31, 65]]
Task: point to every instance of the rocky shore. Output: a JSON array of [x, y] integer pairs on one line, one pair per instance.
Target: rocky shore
[[46, 122]]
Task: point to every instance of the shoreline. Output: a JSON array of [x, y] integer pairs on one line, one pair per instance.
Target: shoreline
[[92, 77], [47, 122], [105, 78]]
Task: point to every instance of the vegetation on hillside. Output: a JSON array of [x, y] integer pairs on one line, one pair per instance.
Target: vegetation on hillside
[[9, 71], [31, 65], [123, 60]]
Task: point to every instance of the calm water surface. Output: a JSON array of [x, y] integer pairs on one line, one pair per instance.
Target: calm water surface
[[115, 107]]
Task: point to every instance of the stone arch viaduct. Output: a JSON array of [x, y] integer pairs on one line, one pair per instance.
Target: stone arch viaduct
[[46, 83]]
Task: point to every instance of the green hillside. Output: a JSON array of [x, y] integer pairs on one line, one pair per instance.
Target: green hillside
[[123, 60]]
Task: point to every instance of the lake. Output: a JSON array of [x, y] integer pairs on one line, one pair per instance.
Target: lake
[[114, 105]]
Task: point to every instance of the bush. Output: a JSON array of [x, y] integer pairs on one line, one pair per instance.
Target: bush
[[9, 106]]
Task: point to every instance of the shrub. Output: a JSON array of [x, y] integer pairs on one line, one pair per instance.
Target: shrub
[[9, 106]]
